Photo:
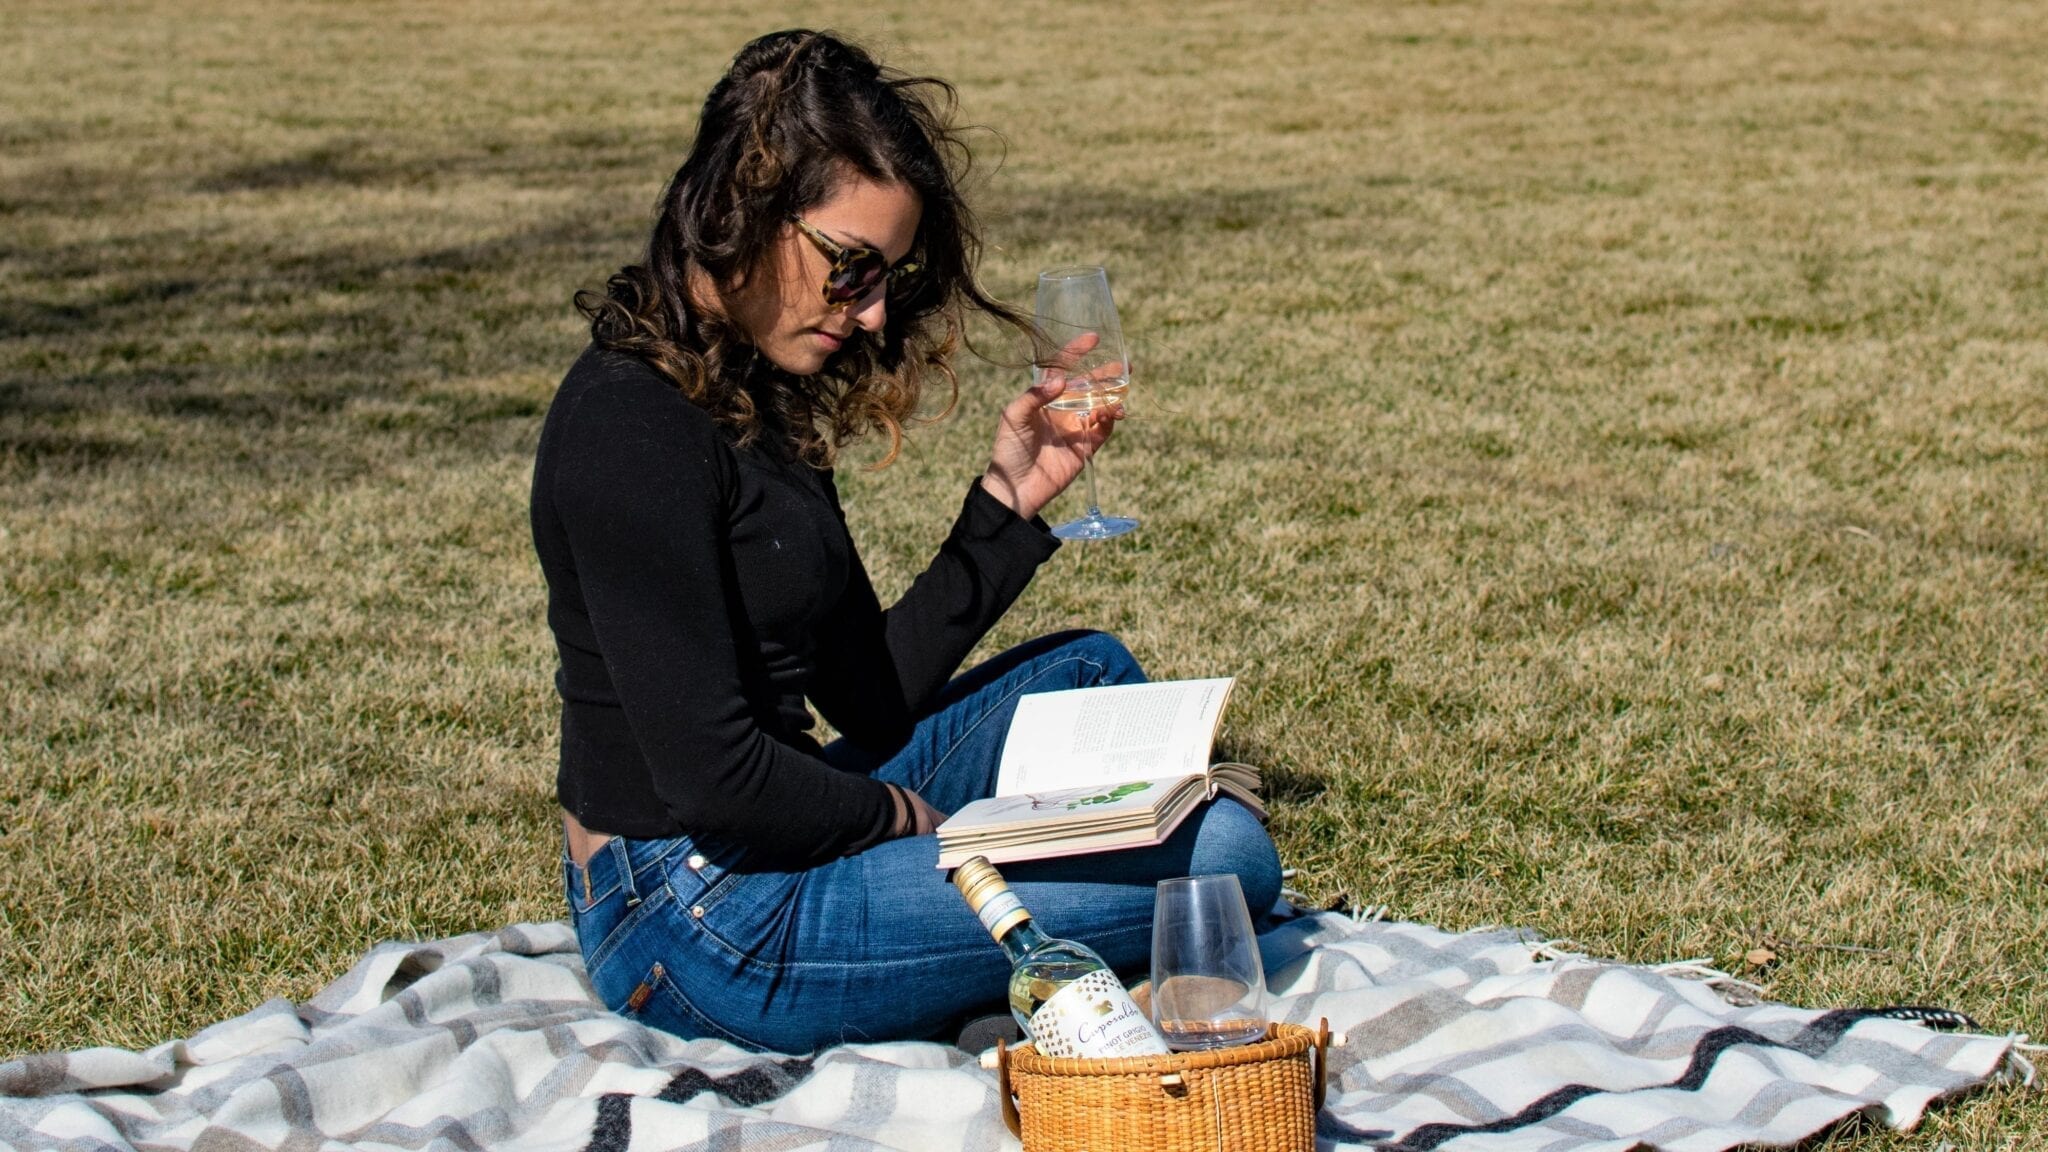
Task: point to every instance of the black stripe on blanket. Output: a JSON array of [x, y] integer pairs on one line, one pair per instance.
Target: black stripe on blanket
[[1817, 1037], [613, 1130]]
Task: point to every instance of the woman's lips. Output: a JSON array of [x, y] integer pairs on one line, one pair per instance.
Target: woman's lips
[[830, 342]]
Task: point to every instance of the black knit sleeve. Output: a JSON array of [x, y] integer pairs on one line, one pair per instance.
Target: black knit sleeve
[[640, 482], [878, 670]]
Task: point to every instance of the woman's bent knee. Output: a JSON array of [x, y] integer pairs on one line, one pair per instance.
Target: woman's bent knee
[[1113, 663], [1231, 839]]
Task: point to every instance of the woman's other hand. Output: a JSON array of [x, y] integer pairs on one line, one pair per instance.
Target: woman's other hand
[[925, 818], [914, 816], [1038, 452]]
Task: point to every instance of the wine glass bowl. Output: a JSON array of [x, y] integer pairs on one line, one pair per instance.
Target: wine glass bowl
[[1080, 338]]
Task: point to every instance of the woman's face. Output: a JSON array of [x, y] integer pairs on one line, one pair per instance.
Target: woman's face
[[783, 310]]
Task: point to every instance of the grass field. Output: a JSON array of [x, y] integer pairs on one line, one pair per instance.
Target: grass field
[[1609, 442]]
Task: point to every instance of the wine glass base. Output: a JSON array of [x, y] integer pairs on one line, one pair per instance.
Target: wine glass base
[[1095, 527], [1212, 1041]]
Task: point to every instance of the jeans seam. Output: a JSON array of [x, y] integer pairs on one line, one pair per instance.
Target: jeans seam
[[954, 746], [744, 957], [613, 940], [715, 892], [1134, 930], [689, 1006], [710, 902]]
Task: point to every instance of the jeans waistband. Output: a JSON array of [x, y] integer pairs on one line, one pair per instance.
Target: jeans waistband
[[637, 868]]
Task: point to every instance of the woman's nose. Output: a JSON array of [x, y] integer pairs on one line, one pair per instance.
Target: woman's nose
[[872, 310]]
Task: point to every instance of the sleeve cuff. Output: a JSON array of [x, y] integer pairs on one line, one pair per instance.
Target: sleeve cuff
[[985, 518], [896, 814]]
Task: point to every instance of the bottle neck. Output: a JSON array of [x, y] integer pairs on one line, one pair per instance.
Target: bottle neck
[[1020, 940]]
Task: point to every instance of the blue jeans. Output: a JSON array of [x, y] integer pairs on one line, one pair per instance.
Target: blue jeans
[[693, 940]]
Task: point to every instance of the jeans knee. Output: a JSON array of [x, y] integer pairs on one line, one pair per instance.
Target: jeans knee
[[1232, 840], [1107, 653]]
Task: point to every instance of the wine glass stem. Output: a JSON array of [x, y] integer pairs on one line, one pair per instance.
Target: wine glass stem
[[1094, 505]]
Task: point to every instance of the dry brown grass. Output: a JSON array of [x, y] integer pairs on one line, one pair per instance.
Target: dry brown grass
[[1607, 441]]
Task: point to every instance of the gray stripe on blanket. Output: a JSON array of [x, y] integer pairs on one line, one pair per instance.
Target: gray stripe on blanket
[[295, 1107], [874, 1098], [1576, 1133], [1773, 1099], [44, 1074], [1571, 987], [484, 984]]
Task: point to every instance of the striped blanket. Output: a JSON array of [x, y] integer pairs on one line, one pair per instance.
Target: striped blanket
[[1483, 1040]]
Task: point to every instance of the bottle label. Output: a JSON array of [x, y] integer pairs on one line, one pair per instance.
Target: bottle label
[[1094, 1018], [1001, 912]]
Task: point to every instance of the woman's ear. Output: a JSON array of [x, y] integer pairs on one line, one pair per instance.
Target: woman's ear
[[705, 297]]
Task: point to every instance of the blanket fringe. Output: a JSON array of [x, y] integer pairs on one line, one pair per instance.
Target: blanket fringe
[[1342, 905], [2018, 1067], [1733, 989], [1737, 991], [1554, 949]]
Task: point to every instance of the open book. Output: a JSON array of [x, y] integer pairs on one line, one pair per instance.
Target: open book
[[1091, 769]]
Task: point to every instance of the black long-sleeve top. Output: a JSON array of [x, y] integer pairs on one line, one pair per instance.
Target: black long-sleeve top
[[700, 591]]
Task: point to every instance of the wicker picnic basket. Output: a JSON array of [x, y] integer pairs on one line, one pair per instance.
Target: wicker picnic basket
[[1260, 1097]]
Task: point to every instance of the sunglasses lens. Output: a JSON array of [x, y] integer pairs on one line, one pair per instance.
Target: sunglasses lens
[[854, 277]]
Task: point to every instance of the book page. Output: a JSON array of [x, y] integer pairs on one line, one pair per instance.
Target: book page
[[1107, 735]]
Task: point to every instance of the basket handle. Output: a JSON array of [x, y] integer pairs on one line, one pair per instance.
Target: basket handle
[[1009, 1103], [1322, 1061]]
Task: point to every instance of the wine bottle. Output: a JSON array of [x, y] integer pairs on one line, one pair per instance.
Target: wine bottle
[[1062, 994]]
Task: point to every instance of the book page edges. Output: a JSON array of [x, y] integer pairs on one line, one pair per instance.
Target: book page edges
[[1240, 781], [1170, 813], [1142, 811]]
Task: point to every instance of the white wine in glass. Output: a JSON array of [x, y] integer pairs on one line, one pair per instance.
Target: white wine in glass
[[1082, 340]]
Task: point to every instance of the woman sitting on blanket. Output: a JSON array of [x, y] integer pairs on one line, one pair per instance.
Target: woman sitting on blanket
[[807, 280]]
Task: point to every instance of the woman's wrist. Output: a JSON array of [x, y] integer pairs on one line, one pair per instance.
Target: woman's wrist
[[1006, 494], [905, 819]]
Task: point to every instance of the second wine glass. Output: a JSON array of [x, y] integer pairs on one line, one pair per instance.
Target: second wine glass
[[1208, 983], [1081, 338]]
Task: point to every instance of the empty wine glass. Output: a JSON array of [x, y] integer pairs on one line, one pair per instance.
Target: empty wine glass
[[1081, 338], [1208, 985]]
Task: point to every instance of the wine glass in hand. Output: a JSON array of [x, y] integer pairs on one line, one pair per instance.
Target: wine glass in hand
[[1083, 342]]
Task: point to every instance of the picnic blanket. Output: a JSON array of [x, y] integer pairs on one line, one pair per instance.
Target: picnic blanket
[[1487, 1040]]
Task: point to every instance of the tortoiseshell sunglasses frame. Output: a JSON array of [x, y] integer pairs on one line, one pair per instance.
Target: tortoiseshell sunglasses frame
[[843, 260]]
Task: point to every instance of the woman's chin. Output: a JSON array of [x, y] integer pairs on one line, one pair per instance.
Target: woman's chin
[[798, 363]]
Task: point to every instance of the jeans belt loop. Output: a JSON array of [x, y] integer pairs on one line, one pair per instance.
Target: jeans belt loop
[[623, 861]]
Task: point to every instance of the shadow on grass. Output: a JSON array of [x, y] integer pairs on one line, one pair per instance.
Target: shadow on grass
[[215, 338], [220, 342], [67, 452], [1280, 783], [343, 162], [1076, 211]]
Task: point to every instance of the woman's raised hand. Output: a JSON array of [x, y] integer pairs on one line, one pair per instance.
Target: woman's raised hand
[[1038, 451]]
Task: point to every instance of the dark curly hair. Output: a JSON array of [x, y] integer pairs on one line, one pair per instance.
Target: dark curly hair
[[798, 113]]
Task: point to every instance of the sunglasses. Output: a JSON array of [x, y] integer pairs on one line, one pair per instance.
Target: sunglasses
[[855, 271]]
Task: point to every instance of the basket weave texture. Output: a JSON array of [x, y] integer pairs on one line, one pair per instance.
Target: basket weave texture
[[1260, 1097]]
